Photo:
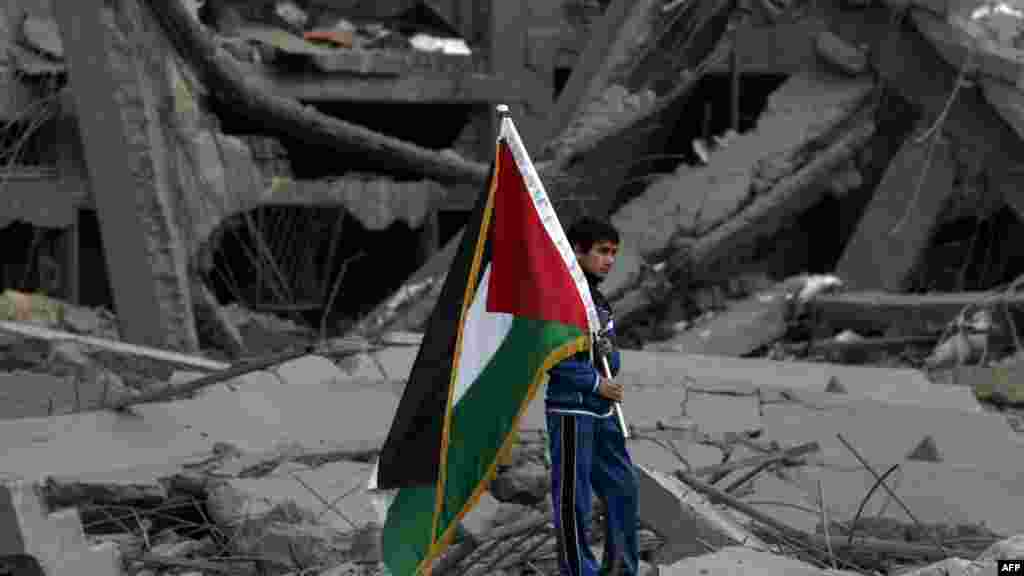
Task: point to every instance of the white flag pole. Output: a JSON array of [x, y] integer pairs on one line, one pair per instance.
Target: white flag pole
[[617, 405]]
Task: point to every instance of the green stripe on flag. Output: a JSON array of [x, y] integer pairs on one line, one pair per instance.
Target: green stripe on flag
[[485, 416], [481, 421], [405, 541]]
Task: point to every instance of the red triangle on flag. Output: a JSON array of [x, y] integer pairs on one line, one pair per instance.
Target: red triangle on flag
[[529, 278]]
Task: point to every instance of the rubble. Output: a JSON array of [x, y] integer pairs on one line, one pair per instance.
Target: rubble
[[897, 225], [780, 423]]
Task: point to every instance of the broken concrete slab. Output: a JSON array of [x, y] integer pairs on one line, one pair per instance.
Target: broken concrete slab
[[979, 441], [848, 59], [937, 493], [25, 394], [717, 414], [803, 109], [310, 407], [783, 48], [656, 456], [743, 328], [911, 60], [898, 222], [641, 369], [331, 495], [55, 539], [667, 371], [611, 41], [686, 521]]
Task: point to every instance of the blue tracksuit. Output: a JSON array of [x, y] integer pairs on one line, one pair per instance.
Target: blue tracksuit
[[588, 452]]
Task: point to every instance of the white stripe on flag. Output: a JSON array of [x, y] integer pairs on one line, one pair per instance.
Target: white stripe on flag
[[482, 335]]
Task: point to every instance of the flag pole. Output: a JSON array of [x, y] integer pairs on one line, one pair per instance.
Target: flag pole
[[617, 405]]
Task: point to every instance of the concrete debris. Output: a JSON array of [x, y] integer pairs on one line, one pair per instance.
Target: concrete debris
[[926, 451], [802, 110], [899, 221], [43, 36], [53, 539], [851, 60], [742, 329], [685, 519], [835, 386], [740, 413], [525, 484]]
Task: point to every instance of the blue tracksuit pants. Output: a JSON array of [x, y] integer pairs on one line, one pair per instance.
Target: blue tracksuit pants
[[589, 452]]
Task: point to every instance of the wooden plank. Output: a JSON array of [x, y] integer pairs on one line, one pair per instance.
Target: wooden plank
[[433, 88], [112, 160], [898, 222]]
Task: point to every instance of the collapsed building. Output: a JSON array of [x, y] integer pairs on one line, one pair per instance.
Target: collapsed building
[[800, 186]]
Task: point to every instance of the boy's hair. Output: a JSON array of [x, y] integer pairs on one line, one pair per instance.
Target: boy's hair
[[587, 231]]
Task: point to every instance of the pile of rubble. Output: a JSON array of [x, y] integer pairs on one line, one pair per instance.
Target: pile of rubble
[[794, 424], [745, 464]]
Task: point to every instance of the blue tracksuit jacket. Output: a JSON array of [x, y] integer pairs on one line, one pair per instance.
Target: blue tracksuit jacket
[[572, 383]]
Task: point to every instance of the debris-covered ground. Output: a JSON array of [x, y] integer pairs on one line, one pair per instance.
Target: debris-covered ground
[[817, 294]]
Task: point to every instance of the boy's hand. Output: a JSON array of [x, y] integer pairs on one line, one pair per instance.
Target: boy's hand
[[610, 390]]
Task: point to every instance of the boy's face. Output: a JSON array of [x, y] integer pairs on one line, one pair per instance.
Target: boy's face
[[598, 261]]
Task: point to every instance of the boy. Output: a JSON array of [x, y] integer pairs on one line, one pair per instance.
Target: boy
[[587, 447]]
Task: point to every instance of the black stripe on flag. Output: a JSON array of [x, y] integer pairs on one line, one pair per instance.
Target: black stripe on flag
[[411, 454]]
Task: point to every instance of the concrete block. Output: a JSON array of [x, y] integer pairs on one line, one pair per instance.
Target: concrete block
[[684, 518], [56, 540], [259, 412], [897, 224], [339, 483]]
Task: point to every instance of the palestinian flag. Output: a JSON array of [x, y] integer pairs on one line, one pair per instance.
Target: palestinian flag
[[514, 304]]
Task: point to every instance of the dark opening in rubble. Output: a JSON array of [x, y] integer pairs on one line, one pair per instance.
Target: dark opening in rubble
[[561, 79], [434, 126], [308, 248], [972, 254], [449, 222], [815, 242], [36, 260], [707, 112]]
